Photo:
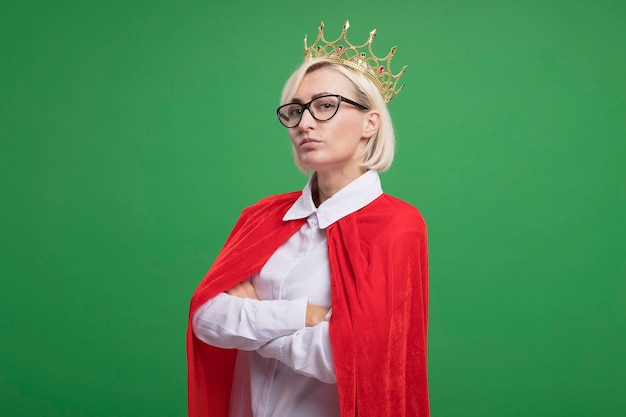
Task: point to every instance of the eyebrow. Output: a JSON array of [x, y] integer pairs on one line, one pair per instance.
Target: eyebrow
[[323, 93]]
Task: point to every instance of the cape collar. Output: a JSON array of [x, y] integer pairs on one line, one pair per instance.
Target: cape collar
[[354, 196]]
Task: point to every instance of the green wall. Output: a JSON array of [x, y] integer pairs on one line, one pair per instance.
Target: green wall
[[133, 133]]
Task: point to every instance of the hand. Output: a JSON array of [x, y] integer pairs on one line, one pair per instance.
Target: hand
[[244, 289], [315, 314]]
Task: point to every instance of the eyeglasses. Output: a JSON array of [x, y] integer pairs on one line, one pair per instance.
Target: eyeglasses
[[321, 108]]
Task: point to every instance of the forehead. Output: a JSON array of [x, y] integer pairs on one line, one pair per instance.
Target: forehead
[[323, 80]]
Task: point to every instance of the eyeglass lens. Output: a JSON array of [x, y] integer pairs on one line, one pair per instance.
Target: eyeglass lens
[[321, 108]]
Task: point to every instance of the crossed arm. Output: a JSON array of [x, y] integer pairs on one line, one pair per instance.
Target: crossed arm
[[315, 314], [294, 332]]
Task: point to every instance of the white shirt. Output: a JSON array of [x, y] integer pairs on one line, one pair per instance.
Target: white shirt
[[283, 367]]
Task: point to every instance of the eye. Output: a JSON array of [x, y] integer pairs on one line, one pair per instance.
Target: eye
[[325, 104], [293, 110]]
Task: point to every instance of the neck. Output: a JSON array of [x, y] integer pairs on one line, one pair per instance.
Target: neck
[[327, 184]]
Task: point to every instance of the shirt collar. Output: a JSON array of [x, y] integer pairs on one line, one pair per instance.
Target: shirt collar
[[354, 196]]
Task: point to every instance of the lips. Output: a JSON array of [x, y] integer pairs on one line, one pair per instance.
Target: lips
[[304, 141]]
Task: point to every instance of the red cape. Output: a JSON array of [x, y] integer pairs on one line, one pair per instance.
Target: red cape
[[379, 288]]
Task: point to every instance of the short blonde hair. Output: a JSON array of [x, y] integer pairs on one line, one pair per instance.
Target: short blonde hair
[[380, 148]]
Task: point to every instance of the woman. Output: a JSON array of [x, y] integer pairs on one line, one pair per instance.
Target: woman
[[317, 304]]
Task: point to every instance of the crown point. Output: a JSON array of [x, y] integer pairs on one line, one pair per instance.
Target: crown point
[[341, 51]]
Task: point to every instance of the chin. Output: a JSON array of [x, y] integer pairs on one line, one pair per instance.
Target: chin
[[310, 163]]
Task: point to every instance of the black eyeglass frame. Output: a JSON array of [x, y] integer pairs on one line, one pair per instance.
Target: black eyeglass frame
[[307, 106]]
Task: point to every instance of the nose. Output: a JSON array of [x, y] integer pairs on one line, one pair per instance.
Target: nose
[[307, 120]]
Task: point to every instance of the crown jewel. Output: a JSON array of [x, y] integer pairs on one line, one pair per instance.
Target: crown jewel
[[360, 57]]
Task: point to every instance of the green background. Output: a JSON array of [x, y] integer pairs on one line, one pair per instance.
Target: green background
[[133, 133]]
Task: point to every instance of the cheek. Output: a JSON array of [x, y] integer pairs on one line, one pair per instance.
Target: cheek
[[292, 136], [350, 139]]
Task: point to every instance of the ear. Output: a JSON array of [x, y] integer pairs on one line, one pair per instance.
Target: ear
[[371, 123]]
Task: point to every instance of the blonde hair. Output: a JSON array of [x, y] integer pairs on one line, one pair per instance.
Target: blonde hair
[[380, 148]]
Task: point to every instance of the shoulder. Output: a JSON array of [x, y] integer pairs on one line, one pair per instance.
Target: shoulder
[[386, 225], [386, 219], [397, 204], [394, 211]]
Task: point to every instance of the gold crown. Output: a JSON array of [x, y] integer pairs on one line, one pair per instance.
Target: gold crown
[[376, 69]]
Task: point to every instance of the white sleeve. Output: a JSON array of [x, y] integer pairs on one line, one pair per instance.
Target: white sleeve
[[307, 352], [231, 322]]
